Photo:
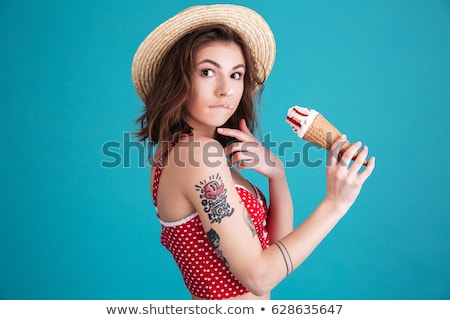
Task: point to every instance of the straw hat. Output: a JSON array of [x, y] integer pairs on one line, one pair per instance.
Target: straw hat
[[249, 24]]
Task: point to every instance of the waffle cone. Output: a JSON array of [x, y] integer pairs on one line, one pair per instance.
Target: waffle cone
[[323, 134]]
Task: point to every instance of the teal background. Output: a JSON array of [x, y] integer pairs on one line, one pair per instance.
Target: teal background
[[72, 229]]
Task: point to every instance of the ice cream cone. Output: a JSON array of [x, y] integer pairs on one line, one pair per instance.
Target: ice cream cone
[[316, 129]]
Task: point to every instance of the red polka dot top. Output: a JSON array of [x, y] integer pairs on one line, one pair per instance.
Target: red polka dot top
[[204, 273]]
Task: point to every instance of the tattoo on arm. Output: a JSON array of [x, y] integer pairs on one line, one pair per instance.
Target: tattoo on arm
[[214, 198], [248, 221], [286, 257], [214, 239]]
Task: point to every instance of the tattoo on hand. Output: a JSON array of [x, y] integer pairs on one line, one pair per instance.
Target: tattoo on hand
[[214, 198], [214, 239]]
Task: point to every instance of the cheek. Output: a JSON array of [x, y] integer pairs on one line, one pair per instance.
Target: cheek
[[239, 91], [197, 92], [192, 97]]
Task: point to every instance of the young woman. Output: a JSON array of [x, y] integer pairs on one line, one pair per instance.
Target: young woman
[[198, 74]]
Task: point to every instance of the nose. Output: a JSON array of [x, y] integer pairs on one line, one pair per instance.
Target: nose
[[224, 88], [227, 92]]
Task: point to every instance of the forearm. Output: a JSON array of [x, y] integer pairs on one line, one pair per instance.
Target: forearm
[[307, 236], [281, 210], [281, 258]]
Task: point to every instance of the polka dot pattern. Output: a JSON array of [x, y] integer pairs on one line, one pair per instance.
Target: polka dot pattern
[[257, 209], [204, 273]]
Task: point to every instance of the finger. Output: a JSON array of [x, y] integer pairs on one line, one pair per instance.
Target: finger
[[367, 171], [235, 133], [244, 165], [335, 148], [233, 147], [359, 160], [241, 156], [243, 159], [243, 127], [241, 146], [350, 152]]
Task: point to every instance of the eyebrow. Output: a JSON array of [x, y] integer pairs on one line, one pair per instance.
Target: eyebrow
[[218, 65]]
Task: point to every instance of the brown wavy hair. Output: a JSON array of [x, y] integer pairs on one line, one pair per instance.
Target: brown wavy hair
[[163, 117]]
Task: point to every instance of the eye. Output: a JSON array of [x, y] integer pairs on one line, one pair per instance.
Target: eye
[[207, 73], [236, 76]]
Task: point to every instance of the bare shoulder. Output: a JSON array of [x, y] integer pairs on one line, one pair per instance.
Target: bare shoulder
[[195, 154], [193, 160], [188, 162]]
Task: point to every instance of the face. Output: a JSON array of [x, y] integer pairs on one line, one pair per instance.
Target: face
[[217, 86]]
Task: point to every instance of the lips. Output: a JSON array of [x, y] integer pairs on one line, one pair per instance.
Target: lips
[[222, 106]]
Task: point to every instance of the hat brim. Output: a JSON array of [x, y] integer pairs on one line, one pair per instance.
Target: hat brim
[[249, 24]]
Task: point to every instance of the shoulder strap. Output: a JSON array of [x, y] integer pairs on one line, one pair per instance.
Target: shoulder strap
[[156, 177]]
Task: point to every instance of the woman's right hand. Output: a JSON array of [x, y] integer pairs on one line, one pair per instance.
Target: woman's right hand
[[344, 181]]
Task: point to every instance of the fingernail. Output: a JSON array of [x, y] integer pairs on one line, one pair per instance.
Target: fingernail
[[219, 130]]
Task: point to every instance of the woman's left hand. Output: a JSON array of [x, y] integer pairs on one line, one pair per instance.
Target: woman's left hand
[[249, 153]]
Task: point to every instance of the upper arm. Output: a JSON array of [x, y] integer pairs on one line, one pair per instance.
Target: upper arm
[[210, 188]]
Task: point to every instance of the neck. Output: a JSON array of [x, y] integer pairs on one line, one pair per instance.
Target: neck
[[207, 133]]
